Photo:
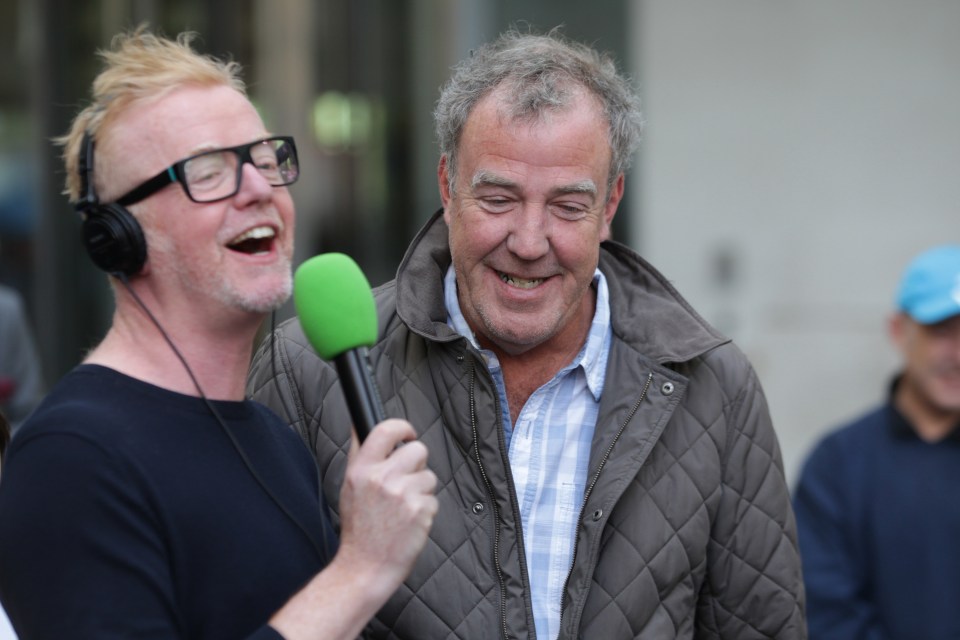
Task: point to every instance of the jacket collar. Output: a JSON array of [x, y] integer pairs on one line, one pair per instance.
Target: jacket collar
[[647, 313]]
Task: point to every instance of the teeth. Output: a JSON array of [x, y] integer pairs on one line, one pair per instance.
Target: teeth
[[257, 233], [520, 283]]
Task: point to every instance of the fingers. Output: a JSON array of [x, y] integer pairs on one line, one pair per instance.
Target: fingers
[[422, 481], [384, 438], [388, 501], [382, 462], [412, 456]]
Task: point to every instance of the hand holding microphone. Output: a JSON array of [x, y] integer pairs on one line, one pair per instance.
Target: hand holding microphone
[[387, 499]]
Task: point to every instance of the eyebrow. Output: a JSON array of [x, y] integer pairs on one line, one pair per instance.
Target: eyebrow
[[584, 186], [486, 178], [207, 147]]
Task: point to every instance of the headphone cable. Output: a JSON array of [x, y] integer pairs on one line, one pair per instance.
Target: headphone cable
[[321, 552]]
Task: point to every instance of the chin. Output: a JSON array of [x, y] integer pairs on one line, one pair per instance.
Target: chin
[[265, 301], [513, 342], [271, 303]]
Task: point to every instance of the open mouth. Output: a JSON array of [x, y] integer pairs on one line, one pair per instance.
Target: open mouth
[[520, 283], [256, 241]]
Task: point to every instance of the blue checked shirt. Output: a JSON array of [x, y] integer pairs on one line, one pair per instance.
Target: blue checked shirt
[[549, 450]]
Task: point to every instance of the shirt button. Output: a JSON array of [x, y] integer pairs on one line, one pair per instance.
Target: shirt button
[[478, 508], [667, 388]]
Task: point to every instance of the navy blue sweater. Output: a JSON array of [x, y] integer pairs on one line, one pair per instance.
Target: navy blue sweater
[[878, 514], [125, 512]]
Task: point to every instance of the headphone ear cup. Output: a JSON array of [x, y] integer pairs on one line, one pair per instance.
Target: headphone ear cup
[[114, 239]]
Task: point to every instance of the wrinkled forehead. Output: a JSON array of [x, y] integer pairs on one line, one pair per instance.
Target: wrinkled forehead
[[572, 135]]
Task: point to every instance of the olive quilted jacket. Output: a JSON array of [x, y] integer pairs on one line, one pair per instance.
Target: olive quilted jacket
[[686, 530]]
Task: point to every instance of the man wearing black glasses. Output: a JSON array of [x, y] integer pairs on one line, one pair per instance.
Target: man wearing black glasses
[[145, 498]]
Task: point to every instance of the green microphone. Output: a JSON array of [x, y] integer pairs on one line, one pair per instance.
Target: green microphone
[[339, 317]]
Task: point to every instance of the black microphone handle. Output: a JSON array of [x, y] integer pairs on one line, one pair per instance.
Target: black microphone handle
[[360, 390]]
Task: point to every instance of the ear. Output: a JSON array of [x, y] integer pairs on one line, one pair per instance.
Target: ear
[[897, 329], [443, 181], [610, 208]]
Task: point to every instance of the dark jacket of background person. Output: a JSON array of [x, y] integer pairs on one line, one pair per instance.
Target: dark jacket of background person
[[4, 434], [686, 530], [879, 515], [21, 381]]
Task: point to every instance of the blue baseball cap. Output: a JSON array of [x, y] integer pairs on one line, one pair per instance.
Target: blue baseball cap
[[930, 288]]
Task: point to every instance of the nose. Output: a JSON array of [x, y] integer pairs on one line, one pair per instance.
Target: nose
[[529, 235], [253, 186]]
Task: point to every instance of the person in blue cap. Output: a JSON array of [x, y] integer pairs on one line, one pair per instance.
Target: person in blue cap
[[878, 500]]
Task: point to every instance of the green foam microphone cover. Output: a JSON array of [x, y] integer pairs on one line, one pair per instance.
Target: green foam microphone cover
[[335, 304]]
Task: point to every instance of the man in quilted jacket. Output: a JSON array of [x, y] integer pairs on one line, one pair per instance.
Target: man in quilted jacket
[[606, 460]]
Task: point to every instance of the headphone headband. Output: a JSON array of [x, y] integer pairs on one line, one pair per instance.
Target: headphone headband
[[88, 193], [112, 236]]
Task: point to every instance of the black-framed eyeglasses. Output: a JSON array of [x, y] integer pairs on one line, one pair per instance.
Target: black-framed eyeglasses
[[216, 175]]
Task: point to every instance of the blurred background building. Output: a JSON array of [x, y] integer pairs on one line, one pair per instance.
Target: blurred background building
[[796, 154]]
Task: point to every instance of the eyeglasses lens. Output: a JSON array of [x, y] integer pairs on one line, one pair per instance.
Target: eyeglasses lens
[[216, 174]]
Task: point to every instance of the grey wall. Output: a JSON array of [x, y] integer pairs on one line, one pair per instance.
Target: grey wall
[[797, 154]]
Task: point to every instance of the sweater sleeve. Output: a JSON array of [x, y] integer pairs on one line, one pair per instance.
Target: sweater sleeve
[[754, 586], [836, 583]]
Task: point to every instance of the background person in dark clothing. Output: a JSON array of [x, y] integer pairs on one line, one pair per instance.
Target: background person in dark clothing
[[878, 501], [4, 434], [21, 380]]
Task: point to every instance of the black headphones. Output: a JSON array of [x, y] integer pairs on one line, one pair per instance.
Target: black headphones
[[112, 236]]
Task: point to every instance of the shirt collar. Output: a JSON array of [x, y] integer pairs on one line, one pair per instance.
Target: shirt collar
[[592, 357]]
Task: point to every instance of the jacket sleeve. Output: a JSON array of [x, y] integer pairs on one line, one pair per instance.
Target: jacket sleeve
[[754, 585], [273, 382], [835, 580], [289, 377]]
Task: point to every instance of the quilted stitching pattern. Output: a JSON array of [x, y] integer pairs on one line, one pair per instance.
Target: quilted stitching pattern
[[688, 532], [708, 527]]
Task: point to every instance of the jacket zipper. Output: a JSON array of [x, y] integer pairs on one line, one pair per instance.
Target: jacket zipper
[[593, 483], [496, 509]]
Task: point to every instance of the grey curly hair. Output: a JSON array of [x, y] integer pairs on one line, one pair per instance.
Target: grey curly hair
[[539, 73]]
